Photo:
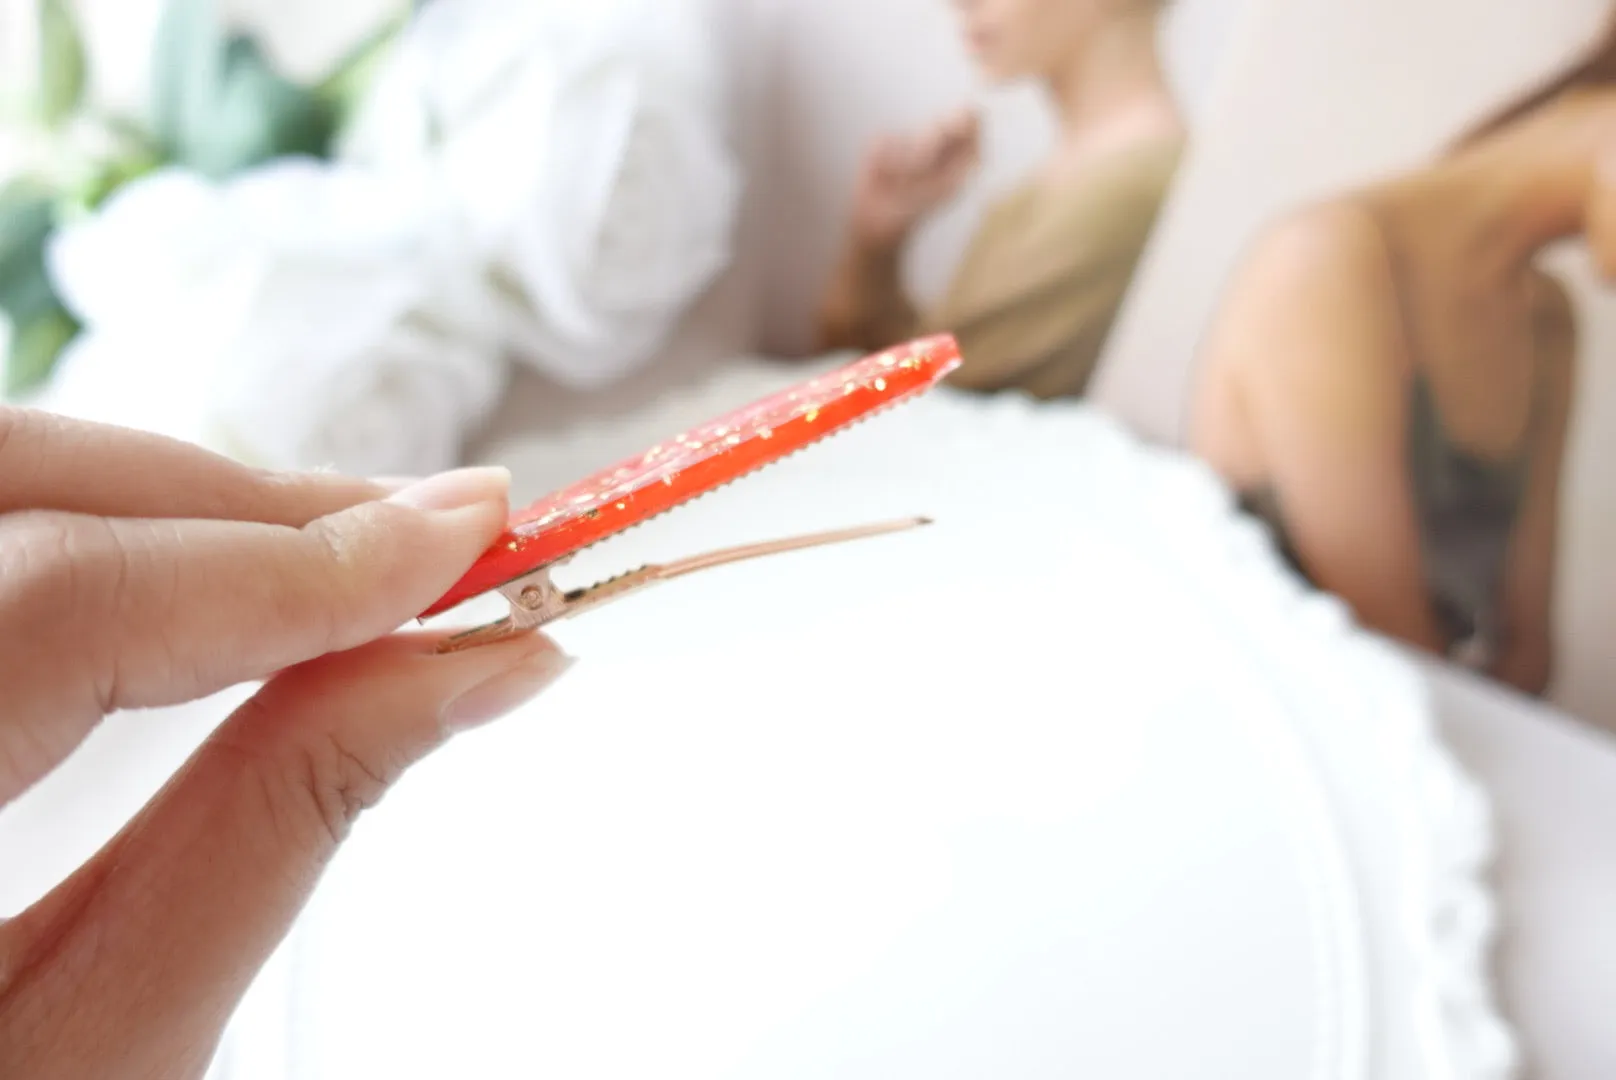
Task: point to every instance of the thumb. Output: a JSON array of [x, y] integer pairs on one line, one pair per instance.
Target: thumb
[[117, 613], [135, 964]]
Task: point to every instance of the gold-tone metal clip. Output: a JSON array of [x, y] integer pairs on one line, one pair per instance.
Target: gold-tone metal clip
[[536, 600]]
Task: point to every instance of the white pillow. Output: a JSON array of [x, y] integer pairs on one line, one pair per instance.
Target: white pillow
[[1078, 782]]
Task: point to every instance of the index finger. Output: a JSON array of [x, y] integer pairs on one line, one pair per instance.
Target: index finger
[[49, 462], [99, 614]]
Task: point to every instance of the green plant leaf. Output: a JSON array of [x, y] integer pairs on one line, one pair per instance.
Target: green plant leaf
[[221, 105], [41, 326], [35, 347], [19, 192], [61, 63], [130, 133], [187, 64], [105, 178], [346, 84], [266, 115], [27, 215], [256, 116]]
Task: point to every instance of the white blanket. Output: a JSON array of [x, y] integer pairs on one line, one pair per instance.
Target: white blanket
[[550, 182], [586, 148]]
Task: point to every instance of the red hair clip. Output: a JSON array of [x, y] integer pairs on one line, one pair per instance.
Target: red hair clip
[[683, 468]]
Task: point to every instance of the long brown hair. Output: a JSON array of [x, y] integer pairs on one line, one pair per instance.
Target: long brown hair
[[1596, 68]]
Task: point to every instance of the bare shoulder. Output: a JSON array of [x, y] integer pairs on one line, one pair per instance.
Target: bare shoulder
[[1336, 241], [1314, 303], [1308, 339]]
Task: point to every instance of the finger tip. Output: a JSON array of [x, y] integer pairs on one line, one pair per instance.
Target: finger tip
[[458, 489], [520, 676]]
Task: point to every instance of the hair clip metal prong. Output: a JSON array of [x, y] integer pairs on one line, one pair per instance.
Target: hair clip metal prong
[[535, 600]]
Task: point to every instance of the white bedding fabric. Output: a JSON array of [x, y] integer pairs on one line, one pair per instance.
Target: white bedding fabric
[[1076, 782], [551, 182], [585, 146]]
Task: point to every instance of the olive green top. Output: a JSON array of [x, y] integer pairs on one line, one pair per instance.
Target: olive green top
[[1033, 301]]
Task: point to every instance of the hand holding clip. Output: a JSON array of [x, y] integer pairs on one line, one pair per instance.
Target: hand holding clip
[[139, 572], [134, 572]]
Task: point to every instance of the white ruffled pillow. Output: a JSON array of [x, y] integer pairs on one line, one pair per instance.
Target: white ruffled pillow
[[1077, 782]]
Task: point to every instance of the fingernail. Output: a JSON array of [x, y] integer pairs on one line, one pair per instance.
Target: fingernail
[[507, 691], [394, 484], [455, 490]]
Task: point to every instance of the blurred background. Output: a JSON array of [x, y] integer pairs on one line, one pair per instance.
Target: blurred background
[[391, 238]]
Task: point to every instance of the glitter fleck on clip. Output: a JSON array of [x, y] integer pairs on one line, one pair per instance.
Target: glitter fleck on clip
[[701, 459]]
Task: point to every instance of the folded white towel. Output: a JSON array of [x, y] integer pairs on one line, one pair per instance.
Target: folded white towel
[[302, 315], [401, 408], [585, 147]]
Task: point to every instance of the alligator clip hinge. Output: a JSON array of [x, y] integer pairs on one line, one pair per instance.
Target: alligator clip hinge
[[536, 600]]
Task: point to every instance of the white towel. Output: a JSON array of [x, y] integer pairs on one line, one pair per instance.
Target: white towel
[[302, 315], [585, 147], [543, 179]]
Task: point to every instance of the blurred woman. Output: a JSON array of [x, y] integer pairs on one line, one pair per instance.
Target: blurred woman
[[1390, 380], [1035, 297]]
